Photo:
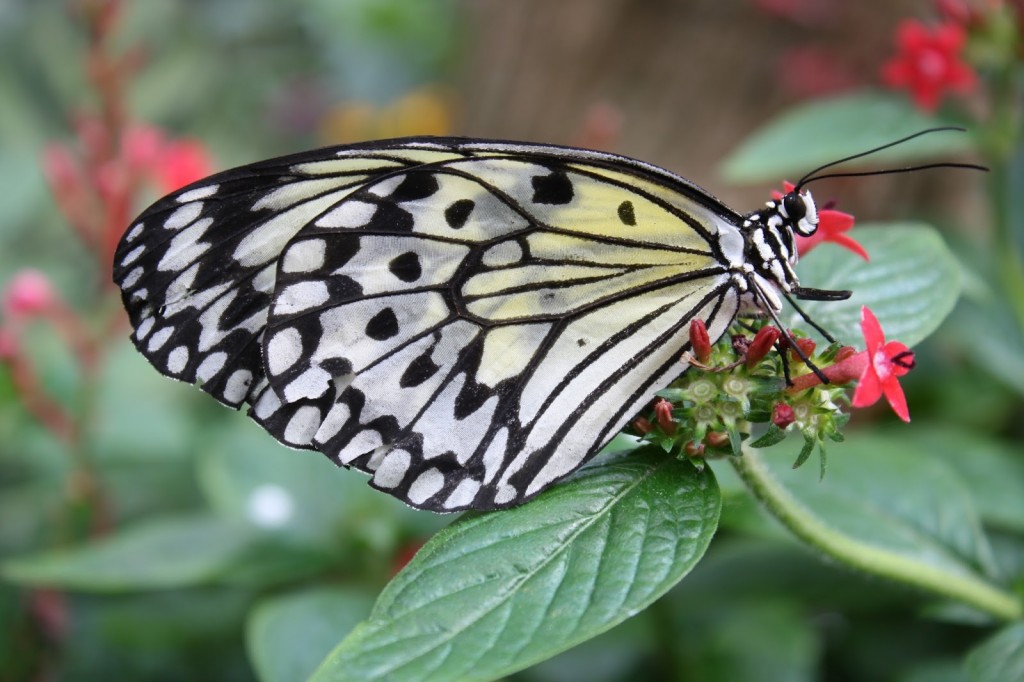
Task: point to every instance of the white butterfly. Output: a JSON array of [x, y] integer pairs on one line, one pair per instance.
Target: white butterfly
[[467, 321]]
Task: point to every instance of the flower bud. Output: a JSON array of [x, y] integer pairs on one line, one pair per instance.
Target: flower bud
[[663, 413], [783, 415], [763, 342], [700, 341]]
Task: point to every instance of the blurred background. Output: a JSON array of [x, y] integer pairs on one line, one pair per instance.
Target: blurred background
[[105, 106]]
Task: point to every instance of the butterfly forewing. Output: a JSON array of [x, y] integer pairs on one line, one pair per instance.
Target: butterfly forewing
[[466, 322]]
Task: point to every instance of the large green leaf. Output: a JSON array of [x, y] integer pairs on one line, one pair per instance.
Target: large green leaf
[[169, 552], [823, 131], [1000, 658], [911, 283], [497, 592], [288, 635]]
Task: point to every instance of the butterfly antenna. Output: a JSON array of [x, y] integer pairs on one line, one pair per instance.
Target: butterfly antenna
[[889, 171], [810, 176]]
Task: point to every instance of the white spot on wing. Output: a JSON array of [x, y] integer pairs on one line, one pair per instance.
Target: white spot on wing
[[197, 193], [336, 418], [210, 365], [132, 255], [132, 279], [237, 385], [177, 359], [183, 216], [284, 349], [312, 383], [304, 256], [159, 339], [392, 469], [301, 296], [349, 214], [463, 494], [145, 327], [365, 441], [134, 233], [185, 248], [302, 425], [386, 186], [426, 486]]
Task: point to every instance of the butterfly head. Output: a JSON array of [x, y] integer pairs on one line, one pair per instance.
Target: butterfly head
[[798, 209]]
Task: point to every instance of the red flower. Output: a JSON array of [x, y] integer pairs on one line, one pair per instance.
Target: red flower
[[888, 362], [877, 369], [183, 162], [832, 225], [928, 63]]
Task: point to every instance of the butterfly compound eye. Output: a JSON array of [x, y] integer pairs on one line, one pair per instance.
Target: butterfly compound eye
[[795, 207]]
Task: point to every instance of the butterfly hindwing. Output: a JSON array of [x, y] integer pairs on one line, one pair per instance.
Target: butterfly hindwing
[[467, 322]]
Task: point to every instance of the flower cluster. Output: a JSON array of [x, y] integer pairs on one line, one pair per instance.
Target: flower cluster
[[739, 382]]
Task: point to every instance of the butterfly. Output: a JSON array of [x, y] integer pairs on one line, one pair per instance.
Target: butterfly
[[466, 321]]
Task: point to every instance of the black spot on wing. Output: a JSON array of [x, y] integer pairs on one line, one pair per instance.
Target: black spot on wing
[[416, 186], [406, 267], [383, 325], [626, 214], [552, 189], [418, 371], [457, 214], [390, 217]]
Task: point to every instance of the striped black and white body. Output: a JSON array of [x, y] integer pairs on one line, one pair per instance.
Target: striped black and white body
[[466, 321]]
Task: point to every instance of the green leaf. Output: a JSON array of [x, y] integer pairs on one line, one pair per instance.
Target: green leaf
[[893, 498], [993, 473], [288, 635], [823, 131], [497, 592], [170, 552], [1000, 658], [911, 283]]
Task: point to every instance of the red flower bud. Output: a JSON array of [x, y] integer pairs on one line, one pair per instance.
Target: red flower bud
[[694, 449], [806, 345], [643, 425], [717, 439], [783, 415], [700, 341], [763, 342], [663, 413]]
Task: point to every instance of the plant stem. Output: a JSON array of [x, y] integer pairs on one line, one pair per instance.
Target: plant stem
[[872, 559]]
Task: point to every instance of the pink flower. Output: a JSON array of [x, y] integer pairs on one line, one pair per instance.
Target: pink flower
[[28, 294], [928, 63], [877, 369], [832, 226]]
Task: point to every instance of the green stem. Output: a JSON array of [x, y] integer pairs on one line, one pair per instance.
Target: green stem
[[872, 559]]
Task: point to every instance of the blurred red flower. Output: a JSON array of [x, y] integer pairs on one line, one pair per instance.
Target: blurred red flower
[[928, 63]]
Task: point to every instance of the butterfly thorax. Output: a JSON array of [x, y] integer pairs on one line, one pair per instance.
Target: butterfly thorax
[[770, 246]]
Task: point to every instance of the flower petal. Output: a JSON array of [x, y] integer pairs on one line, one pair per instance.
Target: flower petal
[[874, 337], [897, 400], [869, 388]]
